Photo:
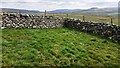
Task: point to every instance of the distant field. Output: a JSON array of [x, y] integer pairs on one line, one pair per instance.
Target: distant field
[[93, 18], [88, 17], [60, 46]]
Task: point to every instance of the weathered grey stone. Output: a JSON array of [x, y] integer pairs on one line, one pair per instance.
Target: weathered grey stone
[[111, 31], [29, 21], [36, 21]]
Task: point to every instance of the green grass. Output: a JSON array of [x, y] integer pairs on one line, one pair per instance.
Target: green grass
[[60, 46]]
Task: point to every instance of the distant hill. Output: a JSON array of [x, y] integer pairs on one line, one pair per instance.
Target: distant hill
[[19, 10], [65, 11], [102, 11], [99, 11], [94, 10]]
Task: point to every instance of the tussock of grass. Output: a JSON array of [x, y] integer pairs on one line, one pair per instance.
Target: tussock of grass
[[60, 46]]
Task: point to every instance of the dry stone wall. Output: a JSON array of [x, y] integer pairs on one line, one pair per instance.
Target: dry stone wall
[[30, 21], [37, 21], [111, 31]]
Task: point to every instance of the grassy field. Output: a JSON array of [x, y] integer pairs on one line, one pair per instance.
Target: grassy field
[[93, 18], [60, 46]]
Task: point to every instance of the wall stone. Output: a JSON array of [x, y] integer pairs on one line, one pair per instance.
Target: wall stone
[[30, 21], [37, 21], [111, 31]]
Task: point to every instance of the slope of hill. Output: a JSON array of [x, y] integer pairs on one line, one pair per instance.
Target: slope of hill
[[102, 11], [19, 10], [65, 11], [99, 11]]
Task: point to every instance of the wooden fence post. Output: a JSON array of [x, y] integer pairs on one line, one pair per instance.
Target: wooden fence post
[[67, 15], [83, 18], [45, 13], [111, 21]]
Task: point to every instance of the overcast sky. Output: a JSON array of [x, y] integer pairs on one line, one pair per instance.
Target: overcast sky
[[42, 5]]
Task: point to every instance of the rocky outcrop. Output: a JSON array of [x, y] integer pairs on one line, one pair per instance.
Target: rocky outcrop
[[111, 31], [30, 21]]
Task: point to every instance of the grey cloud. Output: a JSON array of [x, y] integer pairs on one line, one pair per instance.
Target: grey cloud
[[104, 4]]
